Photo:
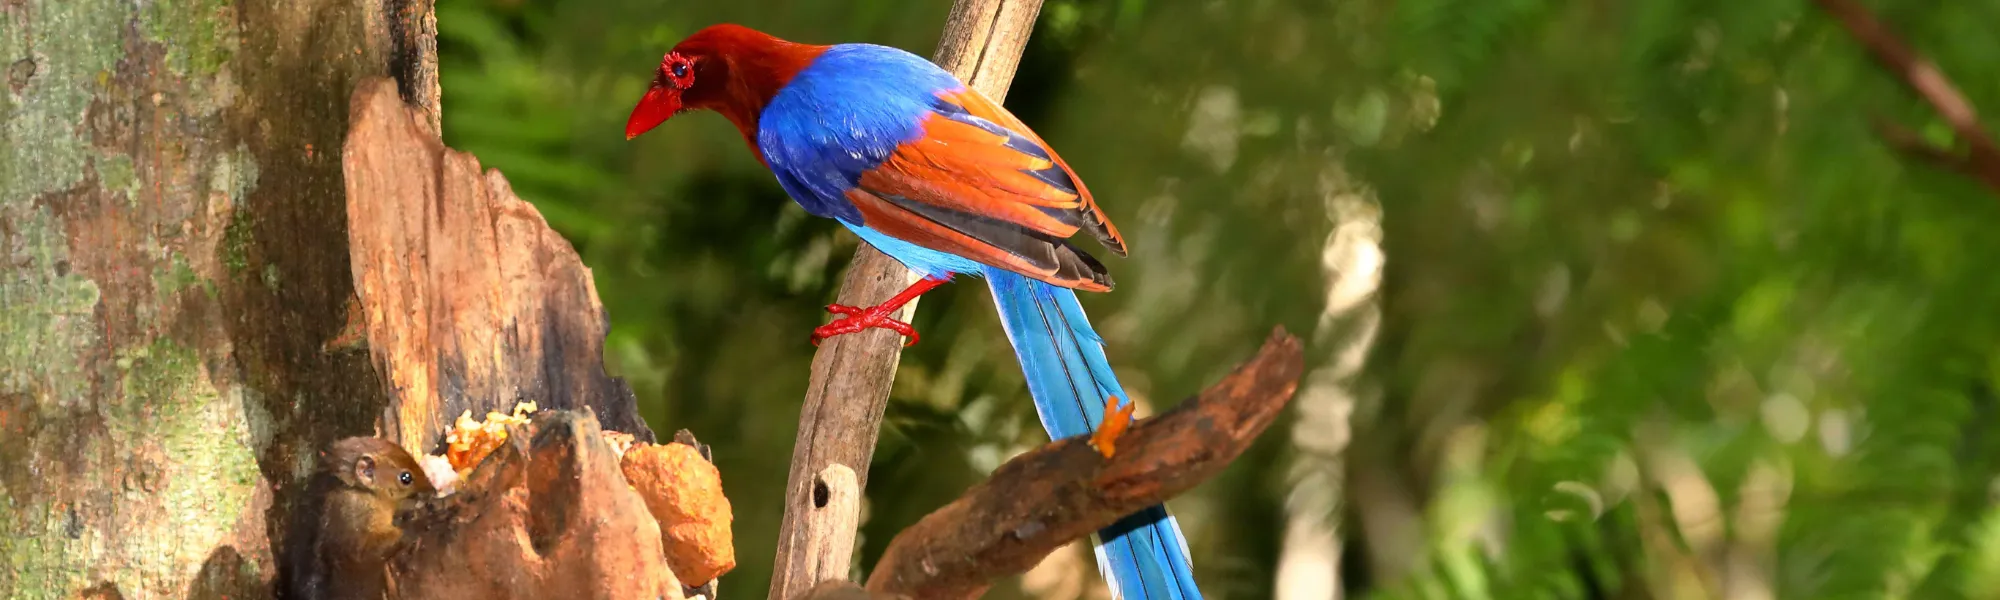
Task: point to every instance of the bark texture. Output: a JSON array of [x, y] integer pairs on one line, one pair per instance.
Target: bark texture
[[173, 263]]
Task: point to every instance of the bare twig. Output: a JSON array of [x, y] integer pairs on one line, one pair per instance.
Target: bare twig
[[852, 374], [1981, 158], [1909, 142], [1051, 496]]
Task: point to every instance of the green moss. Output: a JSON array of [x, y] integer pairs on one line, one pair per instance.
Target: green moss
[[234, 175], [203, 437], [115, 172], [28, 550], [169, 431], [198, 33], [236, 241], [176, 276], [71, 42], [176, 435], [49, 317]]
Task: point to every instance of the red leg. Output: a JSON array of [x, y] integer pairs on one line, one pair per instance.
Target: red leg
[[855, 319], [1116, 420]]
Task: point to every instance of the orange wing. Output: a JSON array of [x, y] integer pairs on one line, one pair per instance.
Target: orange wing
[[981, 185]]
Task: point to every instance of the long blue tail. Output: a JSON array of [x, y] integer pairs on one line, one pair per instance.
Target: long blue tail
[[1143, 555]]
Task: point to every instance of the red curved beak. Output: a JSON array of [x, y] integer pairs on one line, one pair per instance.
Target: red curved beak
[[660, 104]]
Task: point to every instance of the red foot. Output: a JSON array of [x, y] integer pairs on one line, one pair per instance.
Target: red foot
[[1116, 420], [862, 319]]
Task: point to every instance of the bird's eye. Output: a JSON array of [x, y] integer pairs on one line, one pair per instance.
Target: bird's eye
[[680, 70], [406, 478]]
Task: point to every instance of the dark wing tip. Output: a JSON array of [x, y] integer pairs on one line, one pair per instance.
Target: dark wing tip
[[1079, 268]]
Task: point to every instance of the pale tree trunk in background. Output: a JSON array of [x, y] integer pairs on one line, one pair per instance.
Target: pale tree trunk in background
[[173, 260], [1352, 262]]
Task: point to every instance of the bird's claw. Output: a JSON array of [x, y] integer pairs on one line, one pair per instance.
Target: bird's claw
[[855, 319], [1116, 420]]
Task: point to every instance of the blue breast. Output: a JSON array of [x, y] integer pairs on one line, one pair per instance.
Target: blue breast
[[842, 116]]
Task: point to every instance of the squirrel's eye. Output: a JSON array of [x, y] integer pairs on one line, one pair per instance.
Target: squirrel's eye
[[406, 478]]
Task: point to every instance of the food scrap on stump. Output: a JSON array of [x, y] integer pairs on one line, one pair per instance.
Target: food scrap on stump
[[684, 493]]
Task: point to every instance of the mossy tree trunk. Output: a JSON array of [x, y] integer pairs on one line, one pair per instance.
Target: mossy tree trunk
[[173, 262]]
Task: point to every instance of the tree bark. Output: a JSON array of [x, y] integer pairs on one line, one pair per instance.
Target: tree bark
[[173, 263]]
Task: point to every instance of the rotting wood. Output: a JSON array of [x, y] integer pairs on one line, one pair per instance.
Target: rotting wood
[[1046, 498], [548, 515], [471, 302], [852, 374], [413, 57], [843, 590]]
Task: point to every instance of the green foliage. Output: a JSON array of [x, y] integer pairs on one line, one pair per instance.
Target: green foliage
[[1661, 316]]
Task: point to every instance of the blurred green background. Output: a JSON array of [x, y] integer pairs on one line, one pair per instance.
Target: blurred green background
[[1604, 299]]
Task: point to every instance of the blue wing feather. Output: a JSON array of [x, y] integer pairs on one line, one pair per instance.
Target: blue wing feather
[[843, 115]]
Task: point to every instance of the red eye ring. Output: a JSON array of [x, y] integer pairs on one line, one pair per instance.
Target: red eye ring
[[677, 70]]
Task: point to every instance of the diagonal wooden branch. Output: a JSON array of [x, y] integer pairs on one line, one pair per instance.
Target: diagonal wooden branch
[[1058, 493], [851, 374], [1981, 158]]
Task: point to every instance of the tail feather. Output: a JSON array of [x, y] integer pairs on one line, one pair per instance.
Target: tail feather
[[1143, 556]]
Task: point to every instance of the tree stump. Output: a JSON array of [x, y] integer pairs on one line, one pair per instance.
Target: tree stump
[[470, 302]]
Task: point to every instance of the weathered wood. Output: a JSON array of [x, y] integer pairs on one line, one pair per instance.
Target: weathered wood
[[471, 301], [852, 374], [172, 235], [548, 515], [1046, 498], [836, 498], [413, 57], [836, 589]]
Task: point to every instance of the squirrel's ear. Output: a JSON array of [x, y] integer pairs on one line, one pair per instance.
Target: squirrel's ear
[[364, 470]]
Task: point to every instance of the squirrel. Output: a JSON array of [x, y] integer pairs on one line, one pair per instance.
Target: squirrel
[[340, 543]]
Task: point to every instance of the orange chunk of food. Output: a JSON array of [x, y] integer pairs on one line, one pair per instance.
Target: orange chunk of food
[[469, 441], [684, 493]]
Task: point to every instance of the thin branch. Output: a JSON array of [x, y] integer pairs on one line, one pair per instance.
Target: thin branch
[[1982, 157], [1909, 142], [1058, 493], [851, 374]]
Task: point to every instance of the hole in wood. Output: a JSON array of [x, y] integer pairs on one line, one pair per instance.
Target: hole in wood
[[820, 493]]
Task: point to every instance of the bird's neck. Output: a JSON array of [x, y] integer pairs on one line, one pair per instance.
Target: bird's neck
[[757, 73]]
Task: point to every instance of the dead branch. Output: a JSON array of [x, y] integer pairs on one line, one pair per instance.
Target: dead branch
[[837, 589], [1051, 496], [1980, 158], [851, 374]]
